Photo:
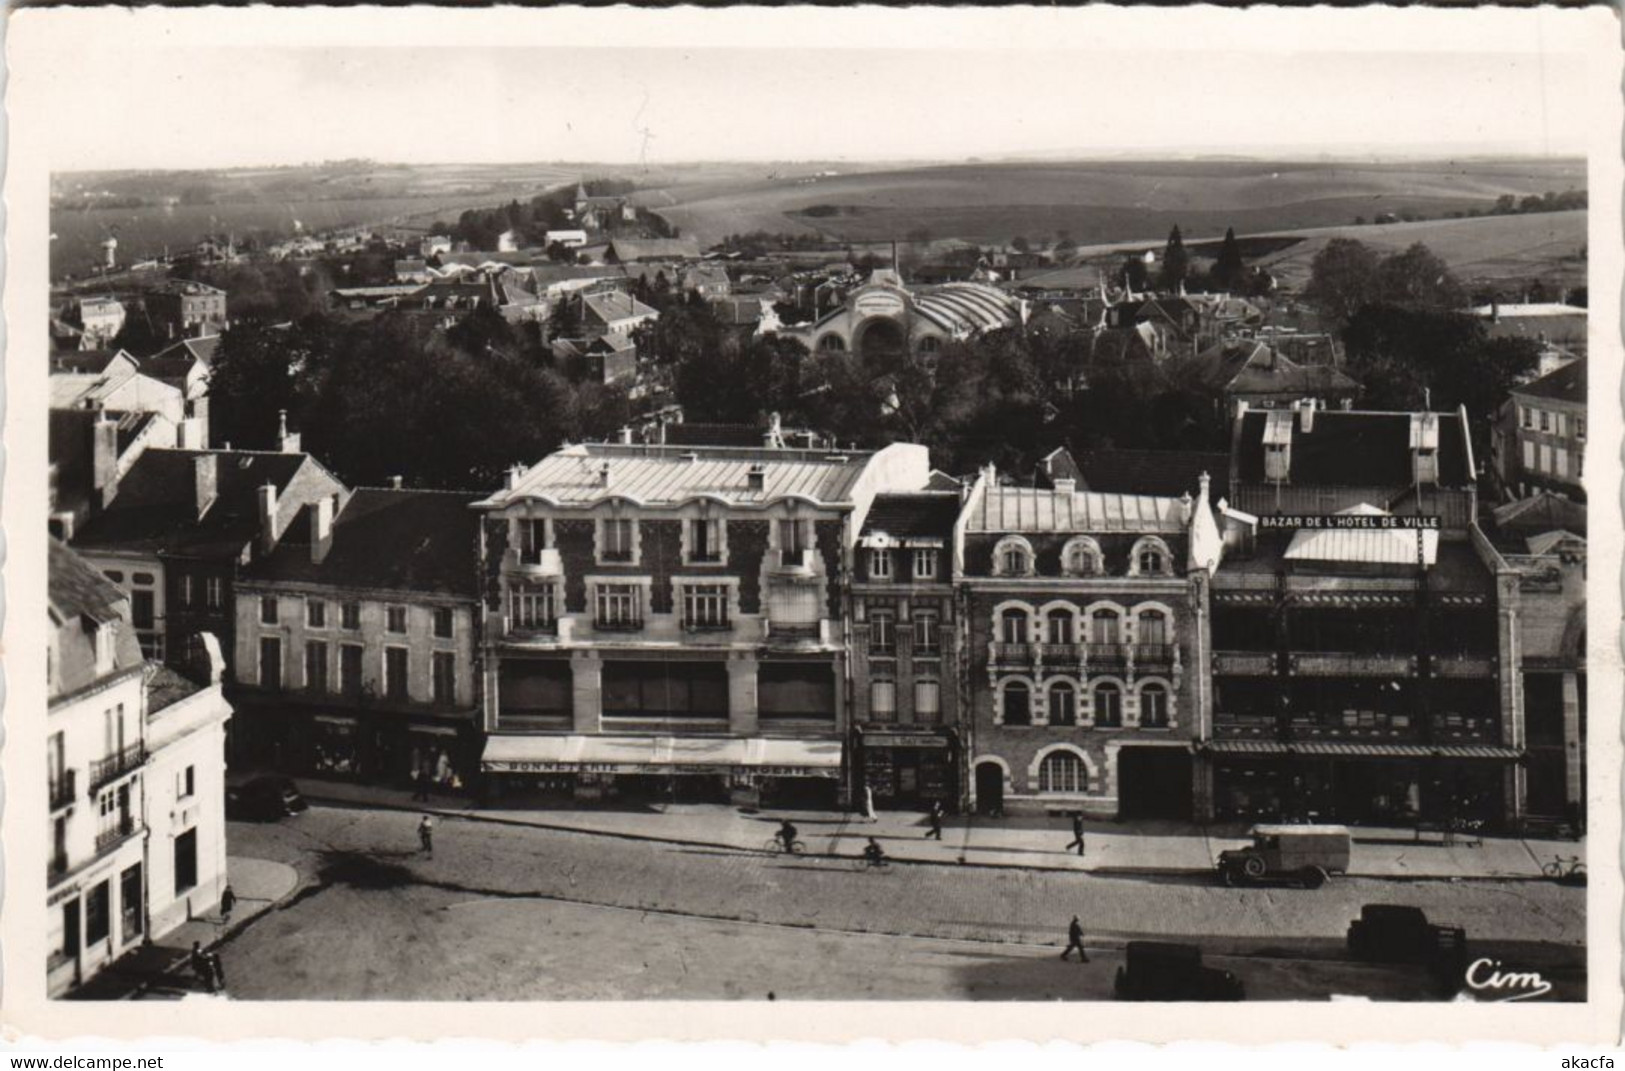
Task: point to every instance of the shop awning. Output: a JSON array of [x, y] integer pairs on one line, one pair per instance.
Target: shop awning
[[661, 754], [1360, 750]]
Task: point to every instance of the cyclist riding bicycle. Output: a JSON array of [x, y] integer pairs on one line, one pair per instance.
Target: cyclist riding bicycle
[[787, 835], [873, 854]]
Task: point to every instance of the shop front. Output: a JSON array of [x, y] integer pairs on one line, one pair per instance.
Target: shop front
[[1361, 784], [381, 747], [909, 770], [742, 770]]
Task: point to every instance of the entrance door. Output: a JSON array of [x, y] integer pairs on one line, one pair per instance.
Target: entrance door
[[989, 787], [1155, 782]]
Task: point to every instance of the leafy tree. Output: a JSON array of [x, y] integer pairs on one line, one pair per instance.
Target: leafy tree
[[1020, 244], [1175, 261], [1342, 278], [1229, 272], [1134, 273], [1418, 277]]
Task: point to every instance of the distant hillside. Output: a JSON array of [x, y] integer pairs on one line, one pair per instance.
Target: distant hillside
[[1096, 201]]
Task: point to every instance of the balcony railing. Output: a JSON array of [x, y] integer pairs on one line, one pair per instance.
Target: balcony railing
[[708, 626], [1108, 655], [618, 624], [1061, 654], [63, 789], [535, 562], [117, 765], [108, 839], [1007, 654], [1153, 654]]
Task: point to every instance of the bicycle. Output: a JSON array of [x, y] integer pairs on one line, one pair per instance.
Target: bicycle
[[1565, 870], [775, 846]]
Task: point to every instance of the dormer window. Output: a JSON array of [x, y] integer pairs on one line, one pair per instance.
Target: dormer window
[[532, 539], [1013, 557], [102, 638], [1151, 557], [880, 565], [1082, 557]]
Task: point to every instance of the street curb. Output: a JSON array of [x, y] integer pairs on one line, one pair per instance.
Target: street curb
[[477, 816]]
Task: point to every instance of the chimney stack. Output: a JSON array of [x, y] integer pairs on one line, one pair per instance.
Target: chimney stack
[[1065, 485], [603, 475], [395, 483], [321, 529], [267, 502], [1306, 415], [205, 482], [626, 435], [286, 443], [756, 478], [103, 459]]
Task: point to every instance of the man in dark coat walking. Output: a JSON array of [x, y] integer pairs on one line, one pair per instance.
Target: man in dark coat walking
[[1077, 832], [935, 818], [426, 835], [1074, 939]]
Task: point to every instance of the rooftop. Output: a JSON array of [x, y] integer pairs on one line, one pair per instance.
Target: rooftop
[[1027, 509], [186, 288], [653, 248], [388, 539], [167, 686], [1534, 308], [1353, 449], [1566, 384], [612, 305], [1154, 472], [155, 508], [1456, 567], [924, 514], [1377, 546], [965, 307], [667, 475], [76, 589]]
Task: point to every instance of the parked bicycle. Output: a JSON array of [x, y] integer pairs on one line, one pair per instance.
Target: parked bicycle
[[1566, 870]]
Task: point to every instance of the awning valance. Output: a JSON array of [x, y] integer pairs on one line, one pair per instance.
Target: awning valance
[[661, 754], [1360, 750]]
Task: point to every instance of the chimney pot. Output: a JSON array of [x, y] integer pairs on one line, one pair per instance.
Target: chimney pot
[[756, 479], [395, 482]]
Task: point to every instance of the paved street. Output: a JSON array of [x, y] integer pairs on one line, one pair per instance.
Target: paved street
[[506, 912]]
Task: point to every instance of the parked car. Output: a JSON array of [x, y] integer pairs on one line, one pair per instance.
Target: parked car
[[1302, 854], [264, 799], [1159, 970], [1395, 933]]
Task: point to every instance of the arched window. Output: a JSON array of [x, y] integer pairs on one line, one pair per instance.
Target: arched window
[[1013, 626], [1108, 705], [1013, 557], [1082, 558], [1151, 558], [832, 343], [1018, 704], [1063, 705], [1152, 628], [1062, 771], [1154, 706], [1107, 628], [1060, 627]]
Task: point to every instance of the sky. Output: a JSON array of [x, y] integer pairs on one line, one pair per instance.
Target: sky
[[247, 106]]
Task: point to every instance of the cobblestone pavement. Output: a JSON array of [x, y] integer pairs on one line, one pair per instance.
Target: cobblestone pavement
[[511, 912]]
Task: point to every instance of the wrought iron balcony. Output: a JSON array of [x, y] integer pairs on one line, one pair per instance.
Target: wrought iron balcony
[[108, 839], [103, 771], [1061, 654], [536, 562], [1108, 656], [1011, 654], [1153, 654], [63, 789], [618, 624]]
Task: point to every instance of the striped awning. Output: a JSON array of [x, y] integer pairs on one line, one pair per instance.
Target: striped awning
[[1358, 750]]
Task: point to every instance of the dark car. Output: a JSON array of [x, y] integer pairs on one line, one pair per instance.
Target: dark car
[[264, 799], [1394, 933], [1157, 970]]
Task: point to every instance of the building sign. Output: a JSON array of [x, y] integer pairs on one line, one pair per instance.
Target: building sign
[[878, 303], [662, 769], [904, 740]]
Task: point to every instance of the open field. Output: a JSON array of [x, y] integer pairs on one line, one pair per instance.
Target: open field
[[1102, 201]]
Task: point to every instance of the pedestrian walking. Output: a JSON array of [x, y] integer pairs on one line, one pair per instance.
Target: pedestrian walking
[[869, 803], [228, 901], [1074, 939], [202, 967], [217, 971], [1077, 833], [426, 835], [935, 818]]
